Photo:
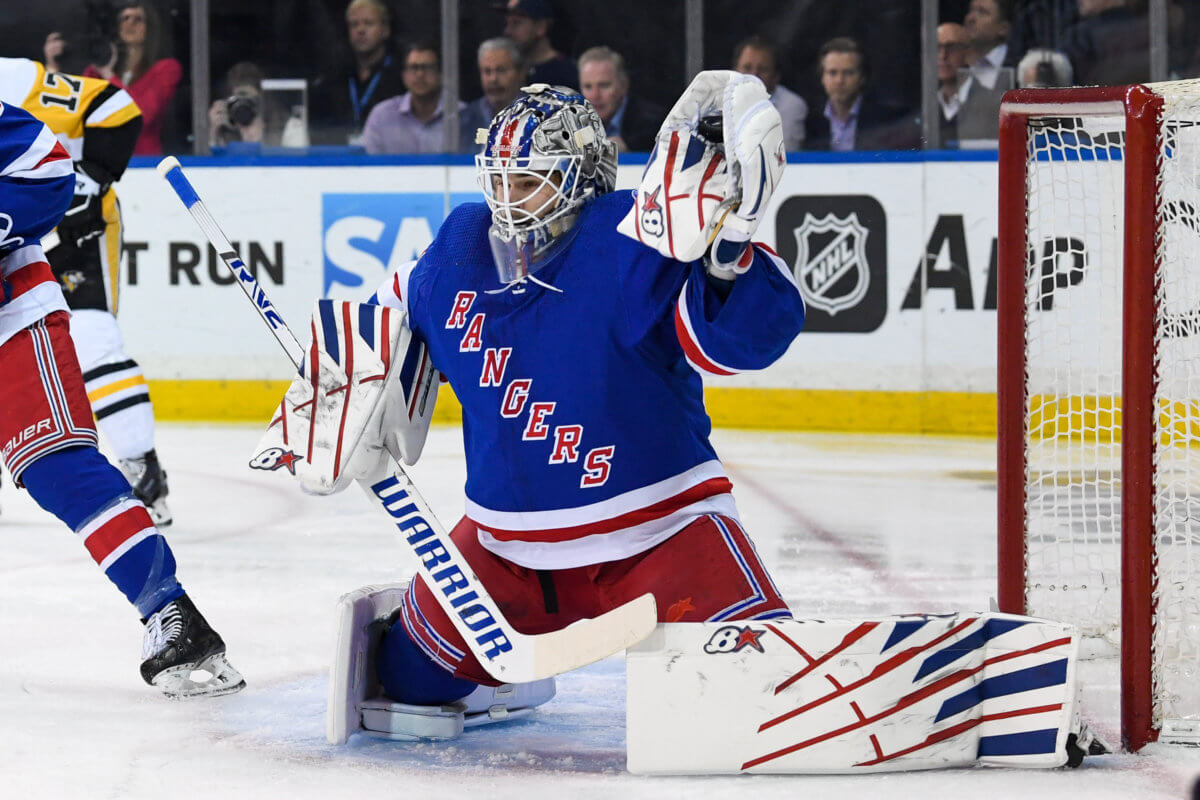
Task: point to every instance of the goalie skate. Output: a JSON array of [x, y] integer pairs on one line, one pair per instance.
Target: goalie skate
[[184, 657], [149, 483]]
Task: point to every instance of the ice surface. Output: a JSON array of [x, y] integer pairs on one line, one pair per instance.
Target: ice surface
[[849, 525]]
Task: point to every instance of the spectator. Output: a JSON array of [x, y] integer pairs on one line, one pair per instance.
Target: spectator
[[341, 101], [52, 51], [244, 115], [757, 55], [630, 122], [138, 67], [528, 23], [987, 23], [1040, 24], [413, 121], [1043, 69], [852, 119], [952, 57], [501, 75], [1110, 44]]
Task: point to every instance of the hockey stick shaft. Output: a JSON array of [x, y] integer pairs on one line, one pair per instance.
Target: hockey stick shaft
[[170, 169], [506, 654]]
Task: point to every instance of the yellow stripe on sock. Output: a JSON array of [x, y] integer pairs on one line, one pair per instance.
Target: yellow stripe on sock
[[113, 388]]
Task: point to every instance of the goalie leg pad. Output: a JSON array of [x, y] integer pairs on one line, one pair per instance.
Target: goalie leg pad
[[357, 702], [366, 384], [893, 694]]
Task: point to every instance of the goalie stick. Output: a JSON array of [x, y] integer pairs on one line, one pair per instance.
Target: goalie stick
[[506, 654]]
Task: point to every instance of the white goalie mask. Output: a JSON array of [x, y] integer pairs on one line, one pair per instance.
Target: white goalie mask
[[544, 157]]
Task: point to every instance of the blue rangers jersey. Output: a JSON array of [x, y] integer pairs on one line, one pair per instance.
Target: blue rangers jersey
[[37, 182], [584, 425]]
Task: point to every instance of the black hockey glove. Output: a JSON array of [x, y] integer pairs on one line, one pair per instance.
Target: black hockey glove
[[84, 219]]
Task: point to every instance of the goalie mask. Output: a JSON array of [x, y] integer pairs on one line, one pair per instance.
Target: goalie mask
[[544, 157]]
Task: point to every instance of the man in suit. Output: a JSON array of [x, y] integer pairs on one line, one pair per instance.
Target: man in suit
[[629, 120], [501, 74], [988, 23], [851, 118], [528, 23], [952, 57], [757, 55]]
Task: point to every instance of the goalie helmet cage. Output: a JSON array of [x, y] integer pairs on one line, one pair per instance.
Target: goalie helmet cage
[[1099, 382]]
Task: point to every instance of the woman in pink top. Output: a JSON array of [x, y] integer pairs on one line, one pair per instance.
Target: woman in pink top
[[137, 68]]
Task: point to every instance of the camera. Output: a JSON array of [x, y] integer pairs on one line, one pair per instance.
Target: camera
[[243, 110]]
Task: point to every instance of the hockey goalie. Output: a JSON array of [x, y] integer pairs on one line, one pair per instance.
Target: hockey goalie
[[575, 323]]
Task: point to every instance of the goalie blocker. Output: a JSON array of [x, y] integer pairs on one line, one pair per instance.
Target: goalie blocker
[[366, 385], [819, 696]]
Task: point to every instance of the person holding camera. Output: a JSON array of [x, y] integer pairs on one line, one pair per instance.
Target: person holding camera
[[136, 65], [236, 117], [243, 116]]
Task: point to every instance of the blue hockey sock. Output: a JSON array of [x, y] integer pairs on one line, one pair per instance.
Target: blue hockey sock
[[409, 676], [92, 497]]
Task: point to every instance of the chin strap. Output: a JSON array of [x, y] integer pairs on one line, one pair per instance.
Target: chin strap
[[518, 286]]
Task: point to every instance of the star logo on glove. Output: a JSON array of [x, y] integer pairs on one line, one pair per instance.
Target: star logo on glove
[[652, 214], [289, 459], [749, 638], [651, 203], [273, 458]]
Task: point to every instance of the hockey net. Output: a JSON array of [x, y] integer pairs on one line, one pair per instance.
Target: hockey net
[[1099, 383]]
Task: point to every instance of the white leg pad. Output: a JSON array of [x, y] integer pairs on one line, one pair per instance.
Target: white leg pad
[[351, 673], [829, 696], [357, 704]]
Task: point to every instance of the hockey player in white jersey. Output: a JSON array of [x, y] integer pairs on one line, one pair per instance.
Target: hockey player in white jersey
[[48, 436]]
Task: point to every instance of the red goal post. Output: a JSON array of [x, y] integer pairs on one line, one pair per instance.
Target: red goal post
[[1099, 382]]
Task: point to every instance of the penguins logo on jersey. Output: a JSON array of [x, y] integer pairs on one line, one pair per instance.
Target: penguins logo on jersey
[[72, 280], [831, 261]]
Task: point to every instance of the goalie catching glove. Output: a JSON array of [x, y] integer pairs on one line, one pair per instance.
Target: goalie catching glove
[[704, 197], [366, 385]]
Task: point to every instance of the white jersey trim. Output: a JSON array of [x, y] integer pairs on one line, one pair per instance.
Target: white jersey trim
[[35, 304], [397, 279], [612, 546], [593, 513], [112, 105], [32, 164], [16, 79], [22, 257]]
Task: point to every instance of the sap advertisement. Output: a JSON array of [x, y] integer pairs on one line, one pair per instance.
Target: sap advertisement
[[365, 236], [896, 261]]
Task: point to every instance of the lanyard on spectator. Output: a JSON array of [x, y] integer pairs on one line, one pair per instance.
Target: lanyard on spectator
[[358, 104]]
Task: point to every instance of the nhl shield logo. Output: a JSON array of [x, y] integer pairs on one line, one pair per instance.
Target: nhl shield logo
[[831, 261]]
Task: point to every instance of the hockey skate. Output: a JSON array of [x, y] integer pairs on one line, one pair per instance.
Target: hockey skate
[[149, 483], [357, 703], [184, 657]]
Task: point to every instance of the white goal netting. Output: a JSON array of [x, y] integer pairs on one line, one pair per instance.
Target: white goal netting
[[1073, 342]]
